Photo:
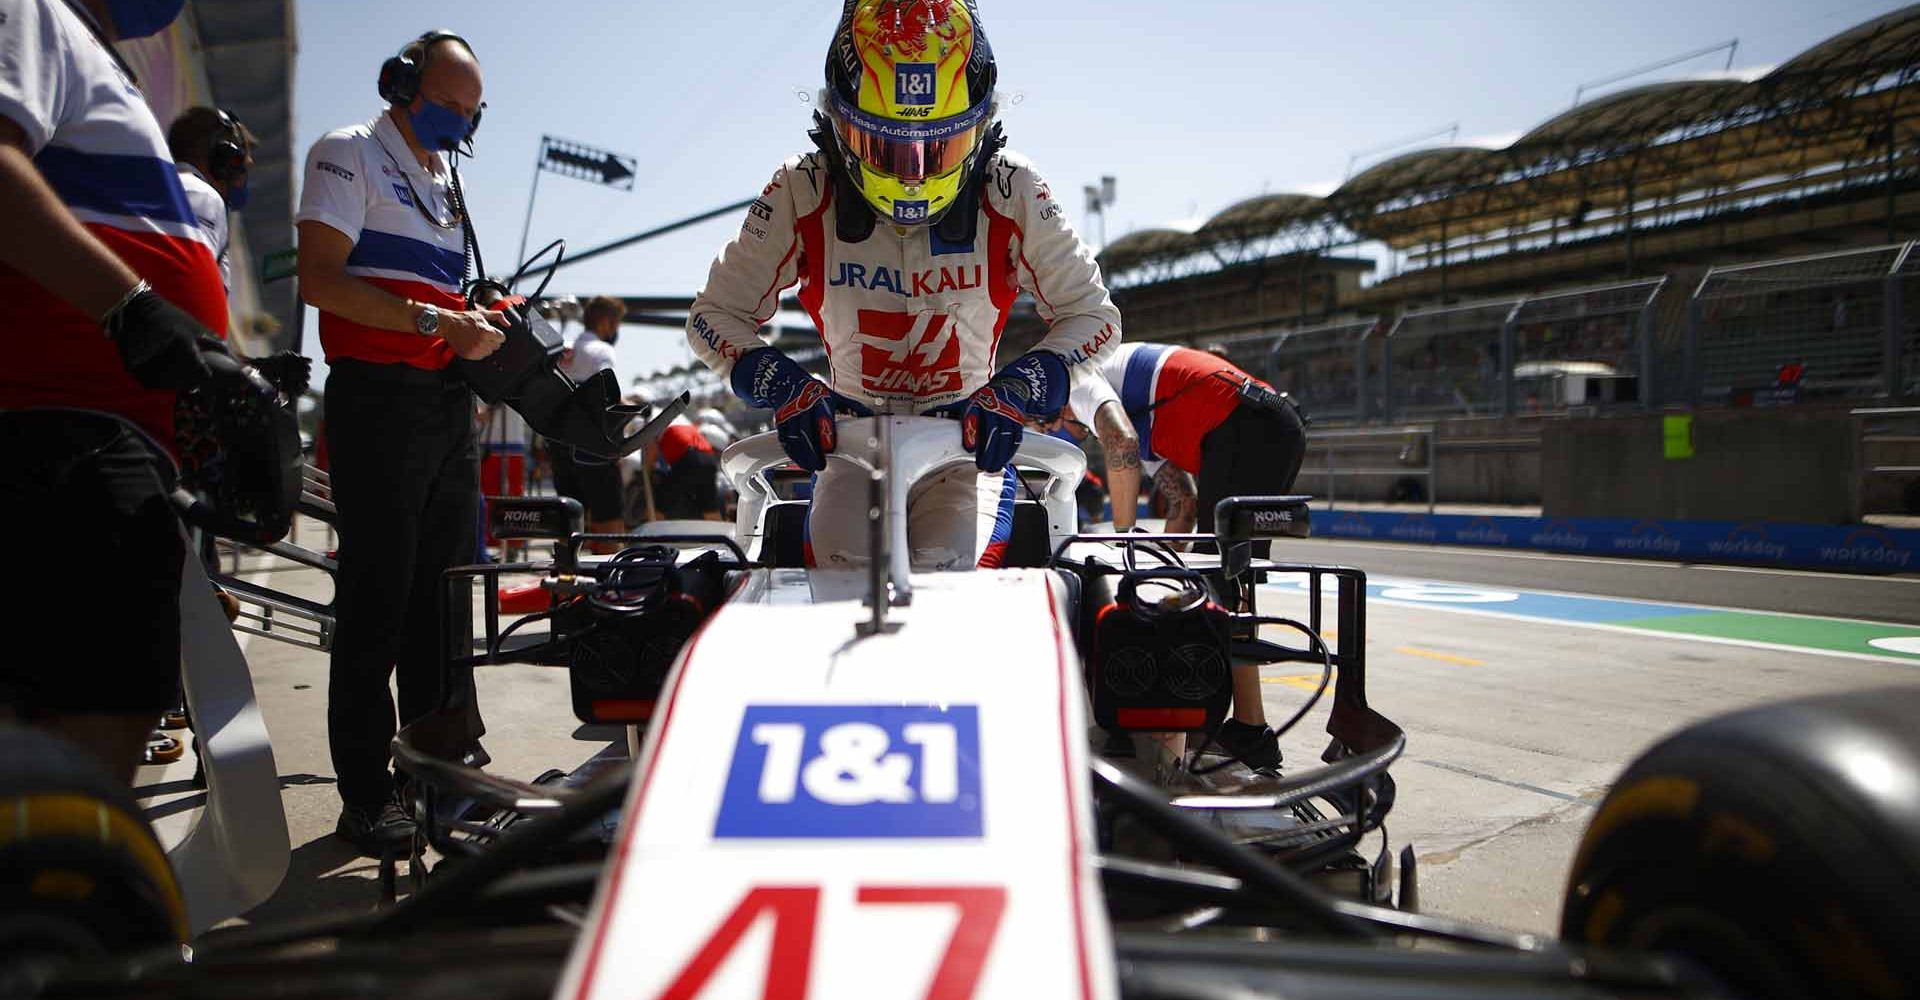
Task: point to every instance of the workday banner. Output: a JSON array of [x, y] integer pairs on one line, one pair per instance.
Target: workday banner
[[1859, 548]]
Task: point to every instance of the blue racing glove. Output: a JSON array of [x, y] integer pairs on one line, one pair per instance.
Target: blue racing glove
[[993, 421], [803, 406]]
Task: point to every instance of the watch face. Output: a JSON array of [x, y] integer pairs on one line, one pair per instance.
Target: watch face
[[428, 321]]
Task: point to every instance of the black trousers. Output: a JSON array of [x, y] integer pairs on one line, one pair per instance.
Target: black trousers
[[97, 547], [594, 482], [406, 485], [690, 490], [1256, 451]]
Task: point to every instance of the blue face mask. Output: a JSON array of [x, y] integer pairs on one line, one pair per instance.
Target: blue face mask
[[438, 127], [237, 196], [140, 18]]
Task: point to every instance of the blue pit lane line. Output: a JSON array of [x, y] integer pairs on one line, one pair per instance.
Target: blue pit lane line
[[1767, 630]]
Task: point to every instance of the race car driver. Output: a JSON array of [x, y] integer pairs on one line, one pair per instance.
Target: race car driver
[[98, 239], [909, 231], [1232, 432]]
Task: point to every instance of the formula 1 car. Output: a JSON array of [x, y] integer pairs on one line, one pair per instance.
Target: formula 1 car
[[883, 782]]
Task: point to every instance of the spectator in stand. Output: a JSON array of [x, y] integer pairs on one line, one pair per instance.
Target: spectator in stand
[[595, 482]]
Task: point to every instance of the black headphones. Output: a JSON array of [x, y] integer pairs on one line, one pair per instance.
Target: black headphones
[[400, 75], [227, 158]]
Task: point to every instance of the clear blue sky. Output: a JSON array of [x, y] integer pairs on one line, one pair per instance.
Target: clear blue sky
[[1192, 104]]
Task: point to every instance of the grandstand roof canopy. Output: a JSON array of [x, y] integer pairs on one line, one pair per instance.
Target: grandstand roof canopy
[[1440, 165], [1638, 113], [1142, 245], [1262, 214], [1887, 44], [1826, 108]]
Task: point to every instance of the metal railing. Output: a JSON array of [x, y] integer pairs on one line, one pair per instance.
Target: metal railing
[[1838, 317], [1414, 442]]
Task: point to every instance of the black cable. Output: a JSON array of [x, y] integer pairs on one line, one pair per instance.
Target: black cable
[[474, 264], [1326, 667], [659, 559], [538, 616], [528, 263], [1319, 645]]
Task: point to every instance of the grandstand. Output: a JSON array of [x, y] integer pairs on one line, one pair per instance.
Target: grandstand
[[1657, 201], [1673, 244]]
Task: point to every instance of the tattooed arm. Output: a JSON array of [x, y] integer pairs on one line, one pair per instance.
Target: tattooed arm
[[1122, 446], [1183, 502]]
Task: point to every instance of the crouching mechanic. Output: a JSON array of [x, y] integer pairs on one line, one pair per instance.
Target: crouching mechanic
[[1120, 452], [1232, 432], [909, 232], [683, 481], [113, 302]]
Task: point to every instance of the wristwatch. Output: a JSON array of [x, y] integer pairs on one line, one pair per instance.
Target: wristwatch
[[427, 321]]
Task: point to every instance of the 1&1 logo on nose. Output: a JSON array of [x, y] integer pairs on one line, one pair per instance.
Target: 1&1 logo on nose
[[854, 771]]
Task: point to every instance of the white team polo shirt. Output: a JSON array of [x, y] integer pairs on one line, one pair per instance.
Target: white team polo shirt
[[590, 354], [364, 182], [210, 211], [95, 142]]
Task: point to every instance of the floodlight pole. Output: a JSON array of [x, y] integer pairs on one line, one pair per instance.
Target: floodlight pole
[[1099, 199], [539, 156]]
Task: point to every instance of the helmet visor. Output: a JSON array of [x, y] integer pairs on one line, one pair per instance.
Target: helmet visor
[[910, 151]]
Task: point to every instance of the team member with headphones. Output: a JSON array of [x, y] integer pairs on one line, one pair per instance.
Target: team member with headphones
[[385, 247], [213, 152]]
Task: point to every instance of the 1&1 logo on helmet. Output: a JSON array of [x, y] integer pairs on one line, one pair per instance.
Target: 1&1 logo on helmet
[[913, 84], [910, 211]]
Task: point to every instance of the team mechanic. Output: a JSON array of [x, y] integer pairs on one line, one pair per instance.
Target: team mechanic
[[383, 254], [686, 474], [595, 482], [214, 153], [910, 232], [1203, 416], [98, 239]]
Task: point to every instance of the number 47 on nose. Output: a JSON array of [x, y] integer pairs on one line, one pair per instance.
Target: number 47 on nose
[[795, 911]]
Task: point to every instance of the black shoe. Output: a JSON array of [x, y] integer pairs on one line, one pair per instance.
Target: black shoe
[[383, 829], [1255, 746]]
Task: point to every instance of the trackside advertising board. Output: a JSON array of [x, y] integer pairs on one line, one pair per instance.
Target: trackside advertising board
[[901, 817], [1857, 548]]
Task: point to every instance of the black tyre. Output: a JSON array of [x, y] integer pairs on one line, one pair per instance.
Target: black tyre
[[81, 874], [1778, 847]]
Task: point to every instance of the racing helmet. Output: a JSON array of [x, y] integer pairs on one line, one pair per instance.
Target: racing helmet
[[910, 98]]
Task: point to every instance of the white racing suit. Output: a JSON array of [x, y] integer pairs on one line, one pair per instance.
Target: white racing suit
[[911, 322]]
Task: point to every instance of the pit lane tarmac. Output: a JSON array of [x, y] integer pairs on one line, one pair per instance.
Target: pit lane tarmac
[[1525, 686]]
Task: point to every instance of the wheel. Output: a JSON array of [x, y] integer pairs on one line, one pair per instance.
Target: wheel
[[81, 874], [1778, 847]]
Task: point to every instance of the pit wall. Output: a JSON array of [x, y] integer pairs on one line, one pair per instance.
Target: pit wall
[[1790, 463]]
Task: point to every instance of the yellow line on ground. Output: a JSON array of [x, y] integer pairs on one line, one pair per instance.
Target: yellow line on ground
[[1465, 661], [1305, 682]]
